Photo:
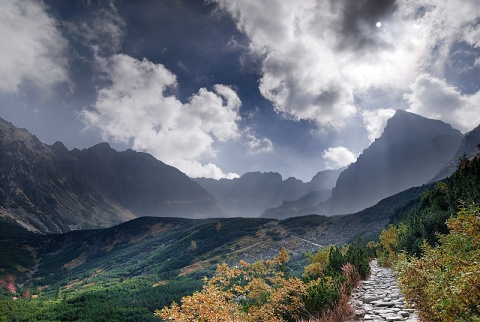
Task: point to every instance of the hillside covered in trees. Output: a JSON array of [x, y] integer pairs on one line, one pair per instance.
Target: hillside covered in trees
[[435, 248]]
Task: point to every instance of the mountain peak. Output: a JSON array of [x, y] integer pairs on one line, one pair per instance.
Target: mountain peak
[[101, 147], [402, 119], [410, 151], [50, 189], [59, 147]]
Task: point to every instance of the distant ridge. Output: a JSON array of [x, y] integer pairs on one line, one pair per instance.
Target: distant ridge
[[312, 203], [254, 192], [50, 189]]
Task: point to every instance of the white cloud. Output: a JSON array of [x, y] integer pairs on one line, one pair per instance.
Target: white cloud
[[256, 145], [434, 98], [32, 47], [317, 56], [208, 170], [472, 36], [375, 121], [136, 109], [337, 157]]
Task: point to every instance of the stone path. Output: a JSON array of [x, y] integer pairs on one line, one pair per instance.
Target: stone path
[[379, 299]]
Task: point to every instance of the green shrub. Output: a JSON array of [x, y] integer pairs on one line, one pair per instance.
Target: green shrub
[[445, 283], [322, 294]]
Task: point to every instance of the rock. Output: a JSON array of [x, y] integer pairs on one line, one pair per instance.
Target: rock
[[383, 303], [394, 318], [369, 299], [359, 314]]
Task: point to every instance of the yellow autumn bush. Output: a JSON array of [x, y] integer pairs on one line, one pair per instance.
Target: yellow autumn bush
[[265, 291], [388, 254], [261, 291]]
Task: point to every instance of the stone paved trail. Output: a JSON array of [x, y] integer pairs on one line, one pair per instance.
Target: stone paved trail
[[379, 299]]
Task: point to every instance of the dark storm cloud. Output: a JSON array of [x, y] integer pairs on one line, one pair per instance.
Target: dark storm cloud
[[357, 29], [170, 32]]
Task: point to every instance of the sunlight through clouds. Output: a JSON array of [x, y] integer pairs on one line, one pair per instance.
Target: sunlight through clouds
[[434, 98], [317, 56]]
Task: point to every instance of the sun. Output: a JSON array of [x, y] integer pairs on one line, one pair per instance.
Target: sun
[[378, 24]]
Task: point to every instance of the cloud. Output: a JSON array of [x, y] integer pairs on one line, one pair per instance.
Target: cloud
[[103, 32], [138, 108], [434, 98], [337, 157], [32, 47], [318, 56], [472, 36], [256, 145], [358, 21], [375, 121]]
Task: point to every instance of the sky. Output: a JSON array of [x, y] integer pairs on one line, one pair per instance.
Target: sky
[[217, 88]]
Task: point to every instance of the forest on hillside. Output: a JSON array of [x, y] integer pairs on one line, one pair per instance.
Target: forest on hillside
[[435, 248]]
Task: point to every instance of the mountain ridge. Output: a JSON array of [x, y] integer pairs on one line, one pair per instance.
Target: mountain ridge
[[254, 192], [51, 189]]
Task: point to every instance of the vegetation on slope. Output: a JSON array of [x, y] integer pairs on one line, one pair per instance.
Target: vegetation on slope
[[124, 271], [265, 290], [436, 248], [128, 271]]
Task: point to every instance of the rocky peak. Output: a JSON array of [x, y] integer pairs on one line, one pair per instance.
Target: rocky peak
[[410, 151]]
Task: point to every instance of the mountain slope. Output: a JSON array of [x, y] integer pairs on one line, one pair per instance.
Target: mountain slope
[[144, 264], [165, 246], [308, 204], [143, 185], [50, 189], [324, 180], [254, 192], [40, 191], [468, 147], [411, 150]]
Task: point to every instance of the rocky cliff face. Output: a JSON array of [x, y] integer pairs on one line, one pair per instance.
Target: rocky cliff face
[[50, 189], [411, 150]]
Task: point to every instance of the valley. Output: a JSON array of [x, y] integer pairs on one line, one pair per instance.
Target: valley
[[67, 255]]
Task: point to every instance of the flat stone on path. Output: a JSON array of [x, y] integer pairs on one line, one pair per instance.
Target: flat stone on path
[[379, 299]]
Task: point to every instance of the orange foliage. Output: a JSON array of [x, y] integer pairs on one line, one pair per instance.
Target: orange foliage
[[248, 292]]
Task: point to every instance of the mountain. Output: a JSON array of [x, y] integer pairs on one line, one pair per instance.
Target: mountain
[[254, 192], [127, 271], [312, 203], [411, 150], [468, 147], [143, 185], [324, 180], [167, 246], [51, 189]]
